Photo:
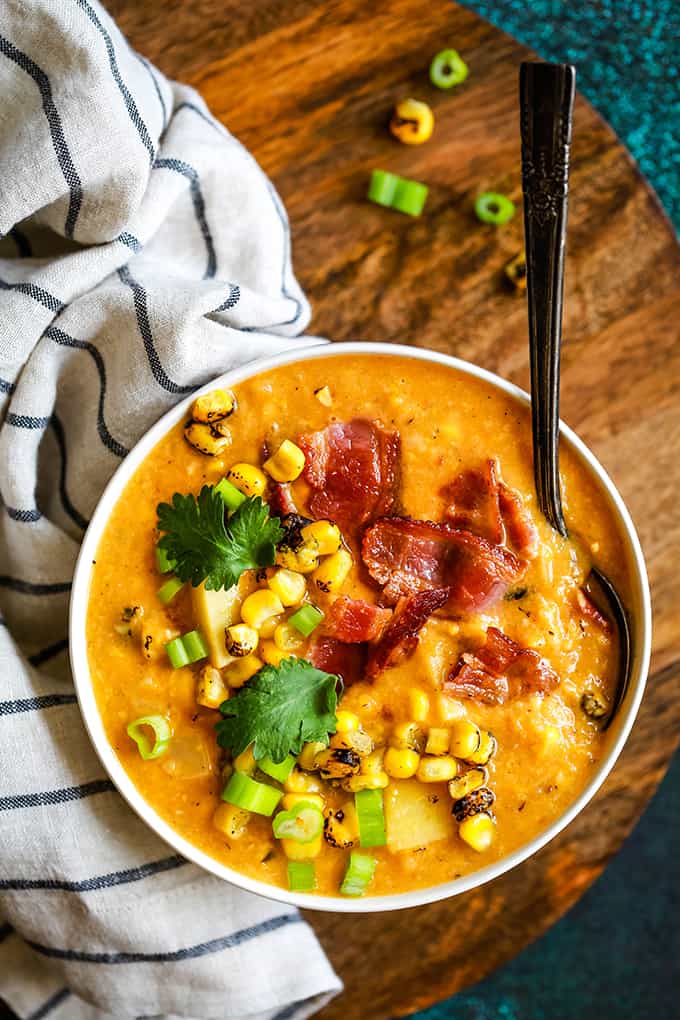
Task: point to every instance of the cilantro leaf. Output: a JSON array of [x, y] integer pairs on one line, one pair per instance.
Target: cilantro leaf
[[204, 548], [279, 710]]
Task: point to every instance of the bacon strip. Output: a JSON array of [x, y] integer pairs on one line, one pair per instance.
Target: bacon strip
[[500, 671], [409, 556], [403, 633], [281, 500], [353, 620], [353, 468], [590, 611], [347, 661]]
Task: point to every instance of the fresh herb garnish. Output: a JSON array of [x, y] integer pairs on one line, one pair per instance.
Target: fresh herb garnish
[[205, 548], [279, 709]]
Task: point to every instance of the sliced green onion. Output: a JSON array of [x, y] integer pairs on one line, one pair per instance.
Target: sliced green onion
[[306, 619], [301, 877], [247, 793], [491, 207], [194, 645], [177, 653], [279, 771], [360, 871], [369, 805], [168, 591], [163, 561], [231, 496], [410, 197], [382, 187], [448, 69], [303, 823], [161, 735]]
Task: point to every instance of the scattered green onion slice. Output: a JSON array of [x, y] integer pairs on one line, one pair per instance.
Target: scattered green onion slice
[[279, 771], [188, 648], [382, 187], [306, 619], [231, 496], [163, 562], [161, 735], [301, 877], [448, 69], [360, 871], [491, 207], [369, 805], [168, 591], [244, 792], [303, 823], [410, 197], [177, 653]]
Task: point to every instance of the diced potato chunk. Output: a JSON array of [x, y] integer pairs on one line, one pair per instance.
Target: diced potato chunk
[[214, 611], [416, 815]]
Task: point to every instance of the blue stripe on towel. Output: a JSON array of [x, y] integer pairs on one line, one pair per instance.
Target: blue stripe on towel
[[37, 703], [26, 421], [232, 300], [152, 74], [99, 881], [38, 294], [51, 797], [45, 654], [58, 141], [32, 587], [130, 104], [70, 509], [52, 1003], [6, 386], [180, 167], [130, 241], [25, 516], [59, 337], [190, 953]]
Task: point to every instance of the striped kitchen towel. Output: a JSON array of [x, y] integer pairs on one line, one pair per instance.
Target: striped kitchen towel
[[142, 252]]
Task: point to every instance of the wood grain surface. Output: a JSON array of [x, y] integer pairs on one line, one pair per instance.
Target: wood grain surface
[[308, 87]]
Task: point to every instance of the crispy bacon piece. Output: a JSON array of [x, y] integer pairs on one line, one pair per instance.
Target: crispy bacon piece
[[353, 468], [347, 661], [500, 671], [281, 500], [590, 611], [354, 620], [479, 501], [403, 632], [409, 556]]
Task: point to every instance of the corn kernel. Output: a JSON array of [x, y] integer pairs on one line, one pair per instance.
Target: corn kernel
[[231, 820], [338, 830], [485, 751], [372, 763], [286, 464], [296, 851], [248, 479], [240, 670], [289, 586], [241, 640], [211, 689], [437, 741], [289, 800], [420, 705], [288, 639], [271, 654], [213, 406], [516, 271], [326, 535], [478, 831], [412, 121], [307, 756], [302, 561], [324, 396], [346, 721], [332, 574], [206, 439], [466, 739], [260, 606], [375, 781], [437, 770], [299, 782], [409, 735], [401, 763], [245, 761], [470, 781], [268, 628]]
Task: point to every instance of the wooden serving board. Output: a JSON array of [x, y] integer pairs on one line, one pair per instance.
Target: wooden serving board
[[308, 87]]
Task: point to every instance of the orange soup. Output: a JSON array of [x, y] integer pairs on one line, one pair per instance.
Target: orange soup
[[333, 642]]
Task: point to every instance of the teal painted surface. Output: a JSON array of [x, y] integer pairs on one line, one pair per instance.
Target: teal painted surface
[[616, 955]]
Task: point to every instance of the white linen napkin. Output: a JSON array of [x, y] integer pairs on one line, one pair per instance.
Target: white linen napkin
[[143, 252]]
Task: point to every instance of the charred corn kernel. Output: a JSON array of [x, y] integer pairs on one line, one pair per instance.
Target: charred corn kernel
[[271, 654], [300, 783], [375, 781], [263, 576], [419, 704], [478, 831], [286, 464], [289, 800], [302, 561], [241, 640], [346, 721], [485, 751], [248, 479], [206, 439], [308, 754], [516, 271], [437, 770], [437, 741], [288, 639], [240, 670], [326, 535], [289, 586], [245, 761], [332, 574], [356, 740], [260, 606], [295, 851], [211, 689], [473, 779], [412, 122], [400, 763], [466, 739], [448, 709], [372, 762], [410, 736], [268, 628], [338, 830], [338, 763], [324, 396], [231, 820], [213, 406]]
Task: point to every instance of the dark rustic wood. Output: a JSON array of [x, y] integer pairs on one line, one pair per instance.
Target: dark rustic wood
[[308, 88]]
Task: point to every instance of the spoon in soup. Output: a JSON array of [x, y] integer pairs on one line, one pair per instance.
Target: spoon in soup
[[546, 109]]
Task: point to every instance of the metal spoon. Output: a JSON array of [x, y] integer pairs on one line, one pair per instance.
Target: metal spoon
[[546, 109]]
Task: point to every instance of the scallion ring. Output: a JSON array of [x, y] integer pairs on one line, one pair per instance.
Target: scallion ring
[[303, 823], [247, 793], [491, 207], [360, 871], [448, 69], [161, 732]]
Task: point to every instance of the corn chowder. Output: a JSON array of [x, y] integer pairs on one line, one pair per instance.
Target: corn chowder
[[332, 640]]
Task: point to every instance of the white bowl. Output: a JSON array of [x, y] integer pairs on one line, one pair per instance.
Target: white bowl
[[640, 618]]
